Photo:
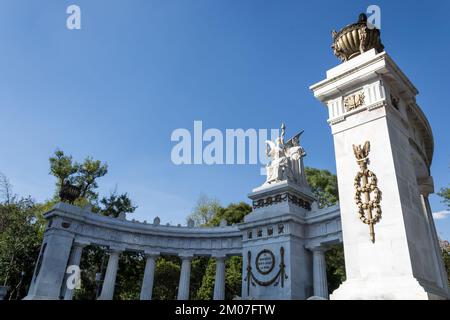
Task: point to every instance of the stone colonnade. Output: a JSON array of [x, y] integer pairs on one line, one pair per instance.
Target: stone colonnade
[[71, 228], [109, 282], [107, 291]]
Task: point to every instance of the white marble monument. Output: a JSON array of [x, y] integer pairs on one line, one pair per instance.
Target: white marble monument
[[384, 148]]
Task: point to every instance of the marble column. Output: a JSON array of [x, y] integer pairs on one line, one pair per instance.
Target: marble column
[[109, 282], [219, 284], [320, 273], [74, 260], [183, 287], [149, 273]]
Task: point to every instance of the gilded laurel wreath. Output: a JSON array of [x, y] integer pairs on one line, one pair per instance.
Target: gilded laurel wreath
[[369, 209], [370, 188]]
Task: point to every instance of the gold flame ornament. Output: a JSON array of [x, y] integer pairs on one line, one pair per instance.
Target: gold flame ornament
[[369, 209]]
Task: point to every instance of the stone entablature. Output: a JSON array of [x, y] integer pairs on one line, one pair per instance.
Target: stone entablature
[[88, 227]]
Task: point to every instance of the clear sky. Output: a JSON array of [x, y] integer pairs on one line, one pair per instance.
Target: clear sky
[[137, 70]]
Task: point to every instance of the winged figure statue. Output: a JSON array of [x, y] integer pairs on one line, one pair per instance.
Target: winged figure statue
[[285, 158]]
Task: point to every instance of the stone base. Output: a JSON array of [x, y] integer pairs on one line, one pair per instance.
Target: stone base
[[386, 288], [34, 297], [3, 292]]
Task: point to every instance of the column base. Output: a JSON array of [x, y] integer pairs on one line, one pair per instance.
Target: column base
[[34, 297], [386, 288]]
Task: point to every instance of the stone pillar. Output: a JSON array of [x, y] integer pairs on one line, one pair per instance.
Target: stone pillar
[[183, 287], [377, 124], [320, 273], [147, 282], [110, 277], [51, 265], [219, 284], [74, 260]]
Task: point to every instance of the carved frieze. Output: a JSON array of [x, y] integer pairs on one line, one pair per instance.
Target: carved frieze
[[279, 198]]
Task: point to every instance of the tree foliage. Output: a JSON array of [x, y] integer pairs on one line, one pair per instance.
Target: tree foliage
[[21, 231], [445, 194], [82, 175], [205, 209], [233, 213], [167, 275], [115, 204], [324, 186], [335, 266]]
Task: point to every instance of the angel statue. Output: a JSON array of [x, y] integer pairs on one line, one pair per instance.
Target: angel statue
[[285, 159]]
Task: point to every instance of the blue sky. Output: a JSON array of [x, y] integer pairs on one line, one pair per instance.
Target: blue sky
[[137, 70]]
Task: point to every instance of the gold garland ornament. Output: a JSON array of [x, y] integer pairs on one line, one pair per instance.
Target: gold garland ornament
[[366, 184]]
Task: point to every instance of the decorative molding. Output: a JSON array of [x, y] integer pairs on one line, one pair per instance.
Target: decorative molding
[[337, 120], [376, 105], [279, 198], [369, 211]]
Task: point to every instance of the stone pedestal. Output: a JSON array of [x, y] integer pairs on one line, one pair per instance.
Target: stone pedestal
[[276, 264], [369, 99]]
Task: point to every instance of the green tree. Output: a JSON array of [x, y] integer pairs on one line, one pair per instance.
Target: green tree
[[21, 231], [233, 213], [82, 175], [129, 277], [335, 266], [445, 195], [324, 186], [446, 259], [167, 275], [115, 204], [205, 209]]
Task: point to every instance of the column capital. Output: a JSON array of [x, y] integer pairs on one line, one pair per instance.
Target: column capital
[[186, 256], [115, 250], [80, 243], [151, 254], [318, 249], [219, 256]]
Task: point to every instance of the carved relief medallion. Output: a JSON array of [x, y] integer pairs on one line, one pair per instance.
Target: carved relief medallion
[[265, 261], [354, 101]]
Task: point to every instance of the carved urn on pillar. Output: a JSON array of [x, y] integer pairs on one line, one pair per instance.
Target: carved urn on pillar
[[69, 193], [355, 39]]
